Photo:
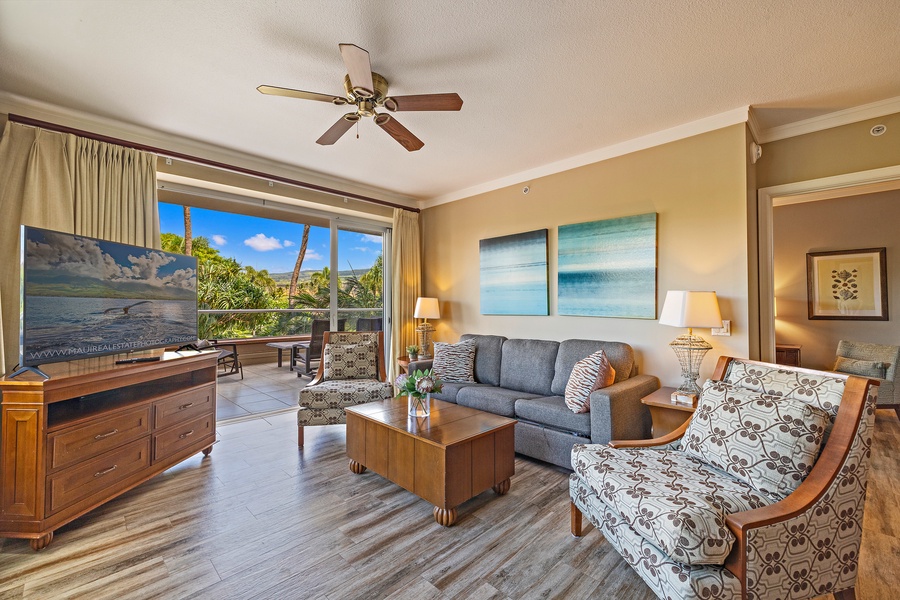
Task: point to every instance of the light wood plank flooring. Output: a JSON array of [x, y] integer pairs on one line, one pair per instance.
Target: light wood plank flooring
[[262, 519]]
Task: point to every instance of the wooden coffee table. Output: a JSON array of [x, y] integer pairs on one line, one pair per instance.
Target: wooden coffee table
[[446, 458]]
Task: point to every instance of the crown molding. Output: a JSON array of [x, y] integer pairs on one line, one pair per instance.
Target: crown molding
[[15, 104], [753, 125], [705, 125], [830, 120]]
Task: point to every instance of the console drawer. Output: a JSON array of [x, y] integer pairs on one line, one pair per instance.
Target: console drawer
[[97, 476], [95, 437], [186, 405], [182, 436]]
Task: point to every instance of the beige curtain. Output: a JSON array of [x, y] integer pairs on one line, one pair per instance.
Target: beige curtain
[[63, 182], [115, 193], [36, 190], [406, 287]]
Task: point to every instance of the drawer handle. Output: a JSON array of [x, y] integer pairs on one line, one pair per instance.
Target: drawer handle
[[100, 436], [184, 406], [184, 435], [105, 471]]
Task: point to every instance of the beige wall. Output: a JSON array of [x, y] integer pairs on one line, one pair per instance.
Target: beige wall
[[698, 187], [868, 221], [846, 149]]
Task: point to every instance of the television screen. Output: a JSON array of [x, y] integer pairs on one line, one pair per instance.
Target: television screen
[[87, 297]]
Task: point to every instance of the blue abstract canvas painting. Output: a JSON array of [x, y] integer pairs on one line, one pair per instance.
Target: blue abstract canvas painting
[[514, 278], [608, 268]]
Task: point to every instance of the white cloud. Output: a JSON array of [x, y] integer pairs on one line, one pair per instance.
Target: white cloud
[[312, 255], [219, 240], [372, 239], [363, 249], [289, 243], [261, 243]]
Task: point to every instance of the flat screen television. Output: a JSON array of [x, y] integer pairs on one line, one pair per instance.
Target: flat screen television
[[84, 297]]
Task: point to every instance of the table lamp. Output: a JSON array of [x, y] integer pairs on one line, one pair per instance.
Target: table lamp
[[690, 309], [426, 308]]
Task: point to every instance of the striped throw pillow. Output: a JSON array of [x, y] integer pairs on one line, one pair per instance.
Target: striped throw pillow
[[588, 374], [454, 362]]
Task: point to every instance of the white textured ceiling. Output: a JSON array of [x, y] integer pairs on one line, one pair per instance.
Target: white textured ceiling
[[541, 81]]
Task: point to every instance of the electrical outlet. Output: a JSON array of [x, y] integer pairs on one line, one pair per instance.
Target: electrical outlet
[[725, 329]]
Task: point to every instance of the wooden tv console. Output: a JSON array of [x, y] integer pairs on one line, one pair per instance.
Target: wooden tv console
[[95, 430]]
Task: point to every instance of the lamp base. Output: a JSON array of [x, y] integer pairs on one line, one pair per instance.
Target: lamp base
[[690, 350], [426, 333]]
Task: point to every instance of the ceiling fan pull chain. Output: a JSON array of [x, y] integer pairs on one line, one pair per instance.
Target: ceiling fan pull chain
[[357, 130]]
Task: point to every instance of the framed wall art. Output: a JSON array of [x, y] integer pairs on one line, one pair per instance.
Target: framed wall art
[[608, 268], [514, 275], [848, 285]]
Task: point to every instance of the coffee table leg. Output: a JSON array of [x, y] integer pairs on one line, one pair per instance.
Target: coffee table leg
[[502, 487], [445, 516], [357, 468]]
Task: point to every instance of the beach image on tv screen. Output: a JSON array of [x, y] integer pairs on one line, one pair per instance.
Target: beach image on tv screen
[[88, 297]]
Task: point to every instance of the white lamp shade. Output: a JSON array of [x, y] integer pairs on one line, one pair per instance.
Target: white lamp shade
[[690, 309], [427, 308]]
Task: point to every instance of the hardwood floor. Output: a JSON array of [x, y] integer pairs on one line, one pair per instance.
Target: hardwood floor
[[261, 519]]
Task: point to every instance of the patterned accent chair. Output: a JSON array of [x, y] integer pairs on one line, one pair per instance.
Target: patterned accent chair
[[351, 372], [760, 495], [857, 358]]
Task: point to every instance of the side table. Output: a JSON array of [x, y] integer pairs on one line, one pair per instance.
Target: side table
[[667, 416], [403, 364]]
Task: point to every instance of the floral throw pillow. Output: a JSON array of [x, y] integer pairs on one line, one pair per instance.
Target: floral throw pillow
[[770, 442], [454, 362], [589, 374], [349, 361]]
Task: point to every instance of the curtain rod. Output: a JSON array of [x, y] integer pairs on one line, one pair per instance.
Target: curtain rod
[[203, 161]]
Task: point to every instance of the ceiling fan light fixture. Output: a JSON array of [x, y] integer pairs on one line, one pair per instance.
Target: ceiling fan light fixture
[[352, 117], [338, 101], [390, 104]]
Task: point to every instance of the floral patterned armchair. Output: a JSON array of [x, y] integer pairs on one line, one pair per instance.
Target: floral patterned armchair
[[351, 372], [760, 495]]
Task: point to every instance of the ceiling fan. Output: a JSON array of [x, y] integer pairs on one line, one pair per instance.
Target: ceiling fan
[[368, 90]]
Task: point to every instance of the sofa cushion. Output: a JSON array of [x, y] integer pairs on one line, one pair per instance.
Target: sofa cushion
[[553, 412], [671, 499], [349, 361], [497, 400], [487, 357], [621, 357], [863, 368], [451, 389], [588, 375], [454, 362], [812, 388], [769, 442], [528, 365]]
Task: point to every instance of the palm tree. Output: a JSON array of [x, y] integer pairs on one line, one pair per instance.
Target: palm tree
[[292, 291], [188, 234]]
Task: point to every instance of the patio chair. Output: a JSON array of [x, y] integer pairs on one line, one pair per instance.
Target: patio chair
[[351, 372], [312, 350], [228, 356], [370, 324]]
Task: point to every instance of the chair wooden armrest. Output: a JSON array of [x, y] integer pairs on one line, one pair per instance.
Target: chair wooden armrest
[[653, 442]]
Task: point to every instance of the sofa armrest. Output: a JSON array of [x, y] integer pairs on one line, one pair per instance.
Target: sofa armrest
[[419, 365], [617, 412]]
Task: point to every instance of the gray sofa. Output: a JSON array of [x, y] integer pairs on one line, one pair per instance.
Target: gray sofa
[[526, 379]]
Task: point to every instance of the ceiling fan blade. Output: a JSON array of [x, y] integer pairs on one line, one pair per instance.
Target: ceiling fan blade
[[335, 132], [359, 68], [397, 131], [288, 92], [424, 102]]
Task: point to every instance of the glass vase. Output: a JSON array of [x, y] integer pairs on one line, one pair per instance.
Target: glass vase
[[419, 406]]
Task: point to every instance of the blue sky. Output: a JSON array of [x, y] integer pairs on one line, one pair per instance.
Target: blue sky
[[270, 244]]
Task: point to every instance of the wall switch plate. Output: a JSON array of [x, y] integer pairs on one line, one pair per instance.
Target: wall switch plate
[[725, 329]]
